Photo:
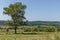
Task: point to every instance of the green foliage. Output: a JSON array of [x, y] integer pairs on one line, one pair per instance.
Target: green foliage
[[51, 29], [18, 7], [35, 30], [16, 11], [27, 29], [58, 29], [10, 23], [39, 29]]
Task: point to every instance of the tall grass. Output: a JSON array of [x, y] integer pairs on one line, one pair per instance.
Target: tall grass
[[47, 36]]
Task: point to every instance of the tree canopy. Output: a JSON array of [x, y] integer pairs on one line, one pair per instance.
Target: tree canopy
[[16, 11]]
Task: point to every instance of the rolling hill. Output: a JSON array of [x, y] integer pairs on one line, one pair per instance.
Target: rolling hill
[[32, 23]]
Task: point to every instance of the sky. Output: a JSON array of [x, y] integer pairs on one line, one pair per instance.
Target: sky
[[37, 10]]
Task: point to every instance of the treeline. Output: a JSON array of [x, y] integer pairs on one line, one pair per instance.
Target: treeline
[[32, 23], [40, 29], [31, 28]]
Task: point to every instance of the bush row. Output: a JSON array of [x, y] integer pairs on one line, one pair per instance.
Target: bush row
[[39, 29]]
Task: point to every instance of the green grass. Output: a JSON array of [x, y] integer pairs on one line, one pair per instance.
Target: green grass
[[49, 36], [39, 36]]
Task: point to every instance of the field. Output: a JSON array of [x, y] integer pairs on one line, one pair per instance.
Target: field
[[42, 36], [27, 35]]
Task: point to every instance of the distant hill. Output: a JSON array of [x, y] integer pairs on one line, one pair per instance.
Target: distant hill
[[44, 22], [52, 23], [2, 22], [47, 23]]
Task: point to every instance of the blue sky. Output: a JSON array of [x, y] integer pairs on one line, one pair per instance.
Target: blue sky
[[37, 10]]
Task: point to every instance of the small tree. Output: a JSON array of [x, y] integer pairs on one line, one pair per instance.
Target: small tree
[[16, 11]]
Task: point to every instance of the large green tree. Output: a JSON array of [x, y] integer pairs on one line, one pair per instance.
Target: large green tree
[[16, 11]]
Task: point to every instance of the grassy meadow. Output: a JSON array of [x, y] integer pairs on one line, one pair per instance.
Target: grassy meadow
[[44, 36], [28, 33]]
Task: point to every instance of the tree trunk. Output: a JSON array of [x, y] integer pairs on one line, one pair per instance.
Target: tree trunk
[[15, 29]]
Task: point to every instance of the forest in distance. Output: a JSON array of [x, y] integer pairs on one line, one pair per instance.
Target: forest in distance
[[32, 23]]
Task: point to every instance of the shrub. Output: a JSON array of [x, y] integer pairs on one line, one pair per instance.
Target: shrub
[[51, 29], [27, 29]]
